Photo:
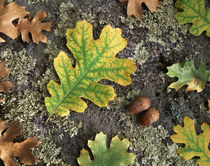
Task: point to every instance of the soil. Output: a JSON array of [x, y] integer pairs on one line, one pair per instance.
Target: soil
[[147, 78]]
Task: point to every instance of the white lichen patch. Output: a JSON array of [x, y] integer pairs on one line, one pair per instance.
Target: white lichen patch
[[149, 141], [162, 28], [141, 54], [69, 16], [122, 101], [19, 64]]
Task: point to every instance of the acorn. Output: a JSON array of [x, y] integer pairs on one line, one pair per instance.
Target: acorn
[[148, 117], [140, 104]]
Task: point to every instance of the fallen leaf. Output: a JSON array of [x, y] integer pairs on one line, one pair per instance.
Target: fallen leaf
[[208, 107], [188, 74], [195, 145], [194, 12], [7, 15], [10, 150], [135, 7], [115, 155], [4, 85], [35, 27], [95, 60]]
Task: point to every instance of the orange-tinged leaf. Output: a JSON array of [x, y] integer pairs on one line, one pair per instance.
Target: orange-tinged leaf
[[8, 14], [208, 107], [4, 85], [10, 150], [35, 27], [95, 60], [195, 145], [135, 7]]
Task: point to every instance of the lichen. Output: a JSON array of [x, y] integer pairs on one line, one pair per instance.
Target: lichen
[[122, 101], [162, 28], [149, 141], [19, 64], [69, 16], [141, 54]]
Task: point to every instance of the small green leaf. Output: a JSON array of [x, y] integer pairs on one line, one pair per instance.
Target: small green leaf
[[195, 145], [95, 60], [194, 12], [115, 155], [188, 74]]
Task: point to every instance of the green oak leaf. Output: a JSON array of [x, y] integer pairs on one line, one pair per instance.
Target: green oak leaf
[[195, 13], [188, 74], [115, 155], [195, 145], [95, 60]]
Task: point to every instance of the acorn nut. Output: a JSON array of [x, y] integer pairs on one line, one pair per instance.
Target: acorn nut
[[148, 117], [140, 104]]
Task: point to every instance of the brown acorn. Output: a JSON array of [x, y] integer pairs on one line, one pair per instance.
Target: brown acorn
[[140, 104], [148, 117]]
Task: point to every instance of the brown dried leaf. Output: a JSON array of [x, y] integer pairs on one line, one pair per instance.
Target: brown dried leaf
[[135, 7], [4, 85], [209, 107], [35, 27], [8, 14], [9, 150]]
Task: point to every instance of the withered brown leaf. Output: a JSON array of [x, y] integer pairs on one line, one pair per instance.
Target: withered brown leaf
[[4, 85], [8, 14], [135, 7], [208, 106], [35, 27], [9, 150]]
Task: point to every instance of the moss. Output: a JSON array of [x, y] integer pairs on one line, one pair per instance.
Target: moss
[[19, 64], [69, 16]]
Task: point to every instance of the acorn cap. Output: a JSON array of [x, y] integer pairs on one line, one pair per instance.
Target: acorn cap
[[148, 117], [140, 104]]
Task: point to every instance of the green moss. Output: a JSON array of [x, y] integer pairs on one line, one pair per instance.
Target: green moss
[[69, 16], [19, 64]]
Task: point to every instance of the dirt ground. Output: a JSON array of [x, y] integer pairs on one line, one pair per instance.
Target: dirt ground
[[158, 35]]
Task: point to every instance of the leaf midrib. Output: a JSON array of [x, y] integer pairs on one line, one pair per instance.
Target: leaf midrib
[[204, 18], [85, 73]]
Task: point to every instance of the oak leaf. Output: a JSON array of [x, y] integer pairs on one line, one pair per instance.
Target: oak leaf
[[188, 74], [135, 7], [194, 12], [35, 27], [10, 150], [115, 155], [95, 60], [195, 145], [208, 107], [7, 15], [4, 85]]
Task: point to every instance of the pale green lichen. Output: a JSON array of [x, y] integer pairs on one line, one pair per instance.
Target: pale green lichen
[[162, 26], [17, 60], [69, 16], [141, 54], [122, 101], [149, 141]]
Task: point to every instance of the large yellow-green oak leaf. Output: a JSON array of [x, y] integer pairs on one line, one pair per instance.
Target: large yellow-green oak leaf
[[195, 145], [115, 155], [195, 13], [95, 60], [188, 74]]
